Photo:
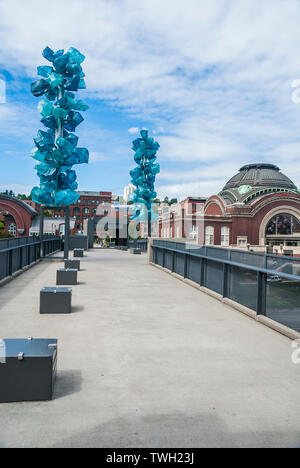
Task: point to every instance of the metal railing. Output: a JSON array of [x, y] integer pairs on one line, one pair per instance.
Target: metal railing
[[267, 284], [19, 252], [139, 244]]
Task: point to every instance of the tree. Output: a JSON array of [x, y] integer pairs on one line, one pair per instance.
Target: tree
[[56, 148], [143, 176], [3, 234], [22, 196], [173, 201]]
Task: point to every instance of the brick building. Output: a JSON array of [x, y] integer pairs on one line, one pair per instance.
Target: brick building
[[179, 220], [258, 208], [90, 205]]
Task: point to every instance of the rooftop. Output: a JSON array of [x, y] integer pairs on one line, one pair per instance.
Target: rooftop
[[260, 175], [139, 368]]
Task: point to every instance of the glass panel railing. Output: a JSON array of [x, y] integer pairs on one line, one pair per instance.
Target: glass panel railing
[[283, 302], [242, 287]]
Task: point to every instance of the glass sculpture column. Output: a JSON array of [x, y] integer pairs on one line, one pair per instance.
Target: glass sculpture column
[[143, 176], [56, 147]]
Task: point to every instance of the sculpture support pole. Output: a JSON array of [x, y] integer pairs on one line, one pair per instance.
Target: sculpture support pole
[[67, 232], [41, 231], [149, 223]]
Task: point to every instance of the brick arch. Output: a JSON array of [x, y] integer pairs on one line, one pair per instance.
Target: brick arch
[[214, 207], [288, 209], [20, 211]]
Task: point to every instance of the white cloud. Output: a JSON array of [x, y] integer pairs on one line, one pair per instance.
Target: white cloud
[[213, 79], [133, 130], [96, 157]]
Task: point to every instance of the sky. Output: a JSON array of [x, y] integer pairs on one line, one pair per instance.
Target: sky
[[215, 83]]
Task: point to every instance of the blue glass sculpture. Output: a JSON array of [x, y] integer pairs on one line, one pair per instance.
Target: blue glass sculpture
[[56, 148], [143, 176]]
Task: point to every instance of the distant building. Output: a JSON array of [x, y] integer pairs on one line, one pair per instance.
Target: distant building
[[179, 220], [90, 205], [17, 215], [258, 208], [51, 226], [128, 190]]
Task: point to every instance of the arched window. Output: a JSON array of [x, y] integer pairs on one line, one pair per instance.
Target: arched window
[[86, 210], [225, 235], [209, 235], [12, 229], [76, 209], [283, 225]]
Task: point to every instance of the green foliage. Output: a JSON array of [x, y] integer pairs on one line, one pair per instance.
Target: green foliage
[[20, 196], [3, 234], [173, 201]]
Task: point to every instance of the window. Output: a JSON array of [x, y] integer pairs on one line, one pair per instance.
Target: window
[[76, 209], [86, 210], [209, 235], [225, 235], [193, 232], [283, 224], [242, 241], [12, 229]]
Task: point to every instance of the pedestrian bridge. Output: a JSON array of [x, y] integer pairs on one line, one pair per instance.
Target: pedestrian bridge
[[146, 360]]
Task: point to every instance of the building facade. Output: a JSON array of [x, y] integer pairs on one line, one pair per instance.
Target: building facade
[[180, 220], [90, 205], [128, 190], [258, 208]]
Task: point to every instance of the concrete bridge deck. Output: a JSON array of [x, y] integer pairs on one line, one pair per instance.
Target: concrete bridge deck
[[148, 361]]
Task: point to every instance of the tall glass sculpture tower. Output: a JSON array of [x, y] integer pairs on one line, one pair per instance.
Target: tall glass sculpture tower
[[56, 147], [143, 176]]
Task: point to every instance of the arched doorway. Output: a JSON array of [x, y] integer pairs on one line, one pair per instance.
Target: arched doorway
[[281, 228]]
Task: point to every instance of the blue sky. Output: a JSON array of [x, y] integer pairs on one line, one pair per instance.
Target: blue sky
[[212, 81]]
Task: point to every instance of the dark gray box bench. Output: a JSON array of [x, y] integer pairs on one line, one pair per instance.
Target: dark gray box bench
[[66, 277], [28, 369], [73, 264], [136, 251], [78, 253], [56, 301]]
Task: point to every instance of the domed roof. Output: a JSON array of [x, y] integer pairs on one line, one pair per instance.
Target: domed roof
[[260, 175]]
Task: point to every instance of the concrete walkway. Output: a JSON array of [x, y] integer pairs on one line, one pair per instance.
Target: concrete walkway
[[148, 361]]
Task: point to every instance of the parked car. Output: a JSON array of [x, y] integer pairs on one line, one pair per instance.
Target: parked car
[[273, 279]]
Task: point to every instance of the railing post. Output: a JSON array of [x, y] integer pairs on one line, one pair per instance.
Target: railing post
[[10, 254], [185, 265], [67, 232], [20, 258], [225, 280], [261, 293], [41, 231], [202, 272]]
